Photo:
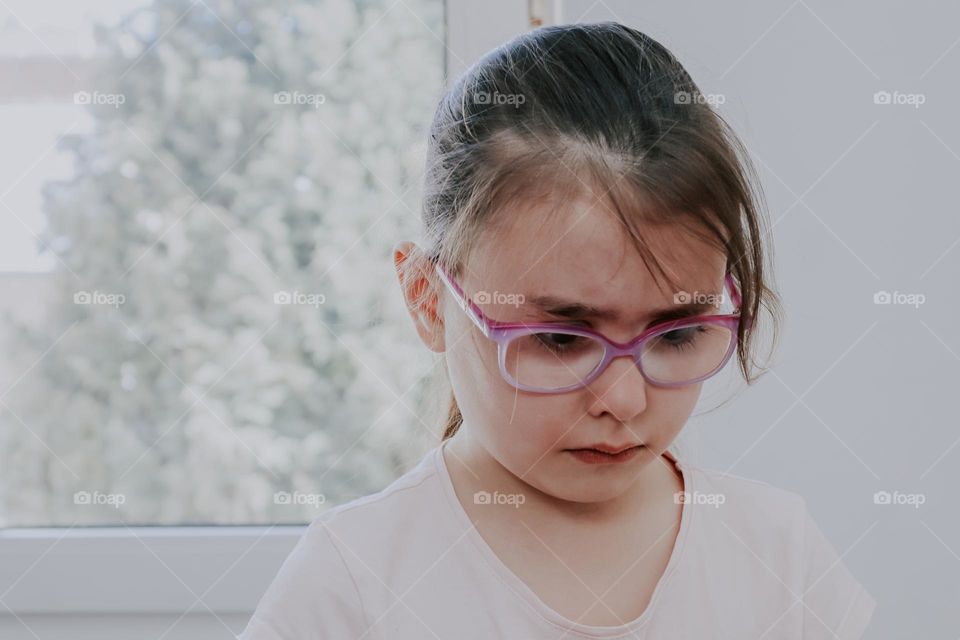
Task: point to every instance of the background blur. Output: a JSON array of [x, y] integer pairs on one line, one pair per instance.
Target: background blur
[[202, 199], [201, 325]]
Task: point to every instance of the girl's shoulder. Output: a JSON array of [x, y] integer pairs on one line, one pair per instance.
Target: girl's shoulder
[[409, 488], [740, 491], [769, 519], [749, 526], [324, 588], [407, 509]]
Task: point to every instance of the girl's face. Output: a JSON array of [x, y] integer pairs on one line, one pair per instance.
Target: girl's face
[[582, 256]]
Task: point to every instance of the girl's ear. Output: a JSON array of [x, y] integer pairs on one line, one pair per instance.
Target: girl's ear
[[420, 290]]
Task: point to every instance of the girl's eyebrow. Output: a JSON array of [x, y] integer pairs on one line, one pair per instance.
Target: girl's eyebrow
[[570, 310]]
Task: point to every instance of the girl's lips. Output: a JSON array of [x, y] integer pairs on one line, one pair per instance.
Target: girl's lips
[[595, 456]]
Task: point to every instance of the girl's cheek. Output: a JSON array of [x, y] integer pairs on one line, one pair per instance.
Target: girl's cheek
[[673, 407], [550, 423]]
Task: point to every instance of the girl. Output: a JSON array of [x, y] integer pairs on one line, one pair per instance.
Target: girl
[[582, 203]]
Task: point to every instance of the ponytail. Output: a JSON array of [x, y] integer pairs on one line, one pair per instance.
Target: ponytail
[[453, 420]]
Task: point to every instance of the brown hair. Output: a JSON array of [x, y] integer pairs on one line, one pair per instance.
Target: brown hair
[[611, 105]]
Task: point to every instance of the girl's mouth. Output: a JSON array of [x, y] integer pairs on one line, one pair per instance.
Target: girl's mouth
[[596, 456]]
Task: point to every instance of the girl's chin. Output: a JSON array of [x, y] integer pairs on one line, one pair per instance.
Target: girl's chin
[[588, 492], [590, 498]]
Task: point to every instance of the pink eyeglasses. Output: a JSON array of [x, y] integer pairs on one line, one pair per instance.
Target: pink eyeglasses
[[556, 358]]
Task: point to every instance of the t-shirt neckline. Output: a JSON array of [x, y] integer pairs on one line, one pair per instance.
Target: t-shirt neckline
[[529, 597]]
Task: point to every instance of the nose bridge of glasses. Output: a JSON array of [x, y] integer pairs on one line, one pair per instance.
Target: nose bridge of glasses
[[616, 349], [615, 352], [633, 348]]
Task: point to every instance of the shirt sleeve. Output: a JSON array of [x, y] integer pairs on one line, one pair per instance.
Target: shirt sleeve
[[835, 605], [312, 596]]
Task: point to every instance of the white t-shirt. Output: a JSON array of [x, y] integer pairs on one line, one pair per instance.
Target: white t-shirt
[[406, 563]]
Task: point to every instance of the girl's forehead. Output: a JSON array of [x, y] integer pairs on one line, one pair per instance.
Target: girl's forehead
[[583, 246]]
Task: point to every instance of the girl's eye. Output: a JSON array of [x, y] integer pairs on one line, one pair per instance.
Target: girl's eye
[[560, 342], [681, 339]]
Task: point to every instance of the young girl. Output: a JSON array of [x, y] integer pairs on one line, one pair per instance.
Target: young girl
[[583, 203]]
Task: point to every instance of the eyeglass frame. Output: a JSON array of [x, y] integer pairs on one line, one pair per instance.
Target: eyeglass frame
[[502, 333]]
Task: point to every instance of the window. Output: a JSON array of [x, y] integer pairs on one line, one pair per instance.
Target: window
[[199, 310]]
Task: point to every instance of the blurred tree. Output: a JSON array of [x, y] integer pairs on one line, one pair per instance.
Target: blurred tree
[[226, 323]]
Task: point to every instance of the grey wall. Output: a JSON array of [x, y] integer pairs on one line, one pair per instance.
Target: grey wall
[[861, 397]]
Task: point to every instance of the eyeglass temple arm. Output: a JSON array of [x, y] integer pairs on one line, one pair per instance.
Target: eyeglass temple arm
[[736, 299], [468, 306], [734, 292]]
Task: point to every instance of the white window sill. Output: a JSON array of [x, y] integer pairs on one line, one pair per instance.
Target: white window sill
[[140, 569]]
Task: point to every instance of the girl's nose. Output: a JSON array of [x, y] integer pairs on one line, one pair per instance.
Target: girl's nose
[[620, 390]]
